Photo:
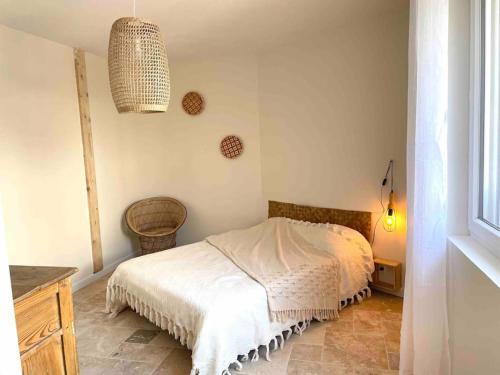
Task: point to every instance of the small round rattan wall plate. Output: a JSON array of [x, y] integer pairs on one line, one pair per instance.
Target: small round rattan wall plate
[[231, 147], [193, 103]]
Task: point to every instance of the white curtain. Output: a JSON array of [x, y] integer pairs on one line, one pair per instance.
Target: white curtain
[[424, 341]]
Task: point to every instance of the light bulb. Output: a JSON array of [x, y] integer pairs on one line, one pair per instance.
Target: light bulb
[[390, 220], [390, 215]]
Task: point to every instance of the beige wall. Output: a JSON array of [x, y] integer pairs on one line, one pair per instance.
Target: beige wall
[[332, 113]]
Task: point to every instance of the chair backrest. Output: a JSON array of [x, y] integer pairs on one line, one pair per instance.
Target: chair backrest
[[157, 213]]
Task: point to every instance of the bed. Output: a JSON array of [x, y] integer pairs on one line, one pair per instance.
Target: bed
[[217, 310]]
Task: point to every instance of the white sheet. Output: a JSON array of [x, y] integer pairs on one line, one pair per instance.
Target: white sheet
[[201, 297]]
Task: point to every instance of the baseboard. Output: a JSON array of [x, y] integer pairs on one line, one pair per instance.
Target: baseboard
[[397, 293], [91, 278]]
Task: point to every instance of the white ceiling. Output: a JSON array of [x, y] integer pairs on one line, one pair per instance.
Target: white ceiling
[[190, 27]]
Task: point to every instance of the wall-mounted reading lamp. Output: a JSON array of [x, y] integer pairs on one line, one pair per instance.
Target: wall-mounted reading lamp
[[389, 221], [388, 214]]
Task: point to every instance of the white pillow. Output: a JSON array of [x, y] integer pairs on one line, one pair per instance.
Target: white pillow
[[321, 235]]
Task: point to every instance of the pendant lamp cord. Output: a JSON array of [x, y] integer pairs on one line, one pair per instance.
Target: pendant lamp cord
[[133, 7]]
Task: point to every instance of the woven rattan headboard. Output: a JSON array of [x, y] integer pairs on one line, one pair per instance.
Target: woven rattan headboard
[[358, 220]]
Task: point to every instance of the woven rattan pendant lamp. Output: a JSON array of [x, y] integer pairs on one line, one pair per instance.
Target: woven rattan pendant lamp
[[138, 66]]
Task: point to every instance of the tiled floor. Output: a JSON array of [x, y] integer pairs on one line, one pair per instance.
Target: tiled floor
[[365, 340]]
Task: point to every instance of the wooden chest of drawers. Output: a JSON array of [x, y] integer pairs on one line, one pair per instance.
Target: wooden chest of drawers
[[44, 318]]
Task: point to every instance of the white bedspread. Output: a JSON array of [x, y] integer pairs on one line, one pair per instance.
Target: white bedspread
[[301, 281], [206, 301]]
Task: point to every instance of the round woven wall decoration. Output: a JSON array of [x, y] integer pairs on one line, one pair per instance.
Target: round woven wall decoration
[[138, 66], [192, 103], [231, 147]]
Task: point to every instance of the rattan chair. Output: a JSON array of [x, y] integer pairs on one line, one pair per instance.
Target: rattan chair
[[155, 221]]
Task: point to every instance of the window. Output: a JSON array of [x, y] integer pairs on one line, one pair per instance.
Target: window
[[485, 124], [489, 204]]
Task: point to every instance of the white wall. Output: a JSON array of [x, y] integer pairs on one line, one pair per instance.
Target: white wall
[[42, 177], [332, 114], [136, 156], [473, 299], [474, 310], [178, 155], [9, 355], [112, 185], [331, 111]]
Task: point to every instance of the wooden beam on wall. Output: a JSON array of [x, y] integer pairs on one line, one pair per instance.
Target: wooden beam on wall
[[88, 157]]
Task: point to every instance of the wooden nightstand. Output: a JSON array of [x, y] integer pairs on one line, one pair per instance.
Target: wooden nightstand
[[387, 274]]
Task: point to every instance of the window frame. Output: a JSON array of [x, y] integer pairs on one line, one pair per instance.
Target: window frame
[[483, 232]]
